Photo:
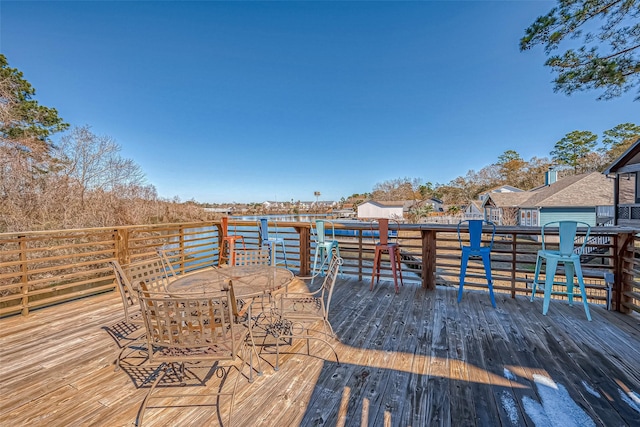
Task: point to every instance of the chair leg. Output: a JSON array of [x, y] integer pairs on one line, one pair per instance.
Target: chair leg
[[222, 253], [271, 248], [399, 261], [392, 260], [232, 252], [376, 265], [329, 255], [376, 268], [486, 260], [535, 277], [463, 273], [569, 272], [583, 291], [550, 273], [319, 249], [253, 352], [161, 371], [337, 254], [284, 254]]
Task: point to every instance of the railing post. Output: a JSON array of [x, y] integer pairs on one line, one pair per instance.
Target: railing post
[[622, 276], [360, 249], [305, 249], [428, 259], [221, 236], [514, 256], [24, 279], [121, 245], [183, 258]]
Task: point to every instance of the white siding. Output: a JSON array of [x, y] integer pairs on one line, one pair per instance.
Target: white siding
[[587, 215], [370, 210]]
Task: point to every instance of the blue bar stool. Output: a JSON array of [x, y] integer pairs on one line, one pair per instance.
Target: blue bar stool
[[475, 249], [271, 242]]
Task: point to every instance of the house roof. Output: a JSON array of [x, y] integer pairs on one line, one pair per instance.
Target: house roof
[[385, 203], [506, 200], [473, 206], [504, 189], [590, 189], [631, 156], [393, 203]]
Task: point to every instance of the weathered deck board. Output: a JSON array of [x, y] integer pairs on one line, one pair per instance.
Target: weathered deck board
[[417, 358]]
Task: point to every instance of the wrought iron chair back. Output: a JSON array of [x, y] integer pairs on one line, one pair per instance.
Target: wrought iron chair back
[[190, 329], [297, 311], [129, 297], [151, 272], [258, 256]]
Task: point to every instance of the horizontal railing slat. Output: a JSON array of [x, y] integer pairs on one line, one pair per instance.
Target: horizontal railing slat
[[35, 263]]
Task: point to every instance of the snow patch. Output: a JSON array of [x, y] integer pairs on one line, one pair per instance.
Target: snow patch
[[536, 412], [541, 380], [509, 375], [631, 398], [510, 408], [556, 407], [590, 389]]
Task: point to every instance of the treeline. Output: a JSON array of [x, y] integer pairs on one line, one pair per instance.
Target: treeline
[[577, 152], [82, 181]]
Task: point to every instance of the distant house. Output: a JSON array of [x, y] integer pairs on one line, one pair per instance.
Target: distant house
[[270, 204], [436, 204], [395, 209], [381, 209], [500, 189], [586, 197], [224, 210], [473, 210], [302, 205], [626, 186]]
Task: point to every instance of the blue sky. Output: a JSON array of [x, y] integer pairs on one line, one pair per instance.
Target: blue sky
[[253, 101]]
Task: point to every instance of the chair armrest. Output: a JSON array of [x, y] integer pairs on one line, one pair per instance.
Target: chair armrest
[[245, 309]]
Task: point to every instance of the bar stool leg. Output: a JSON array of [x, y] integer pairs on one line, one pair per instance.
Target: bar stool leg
[[376, 267], [392, 260]]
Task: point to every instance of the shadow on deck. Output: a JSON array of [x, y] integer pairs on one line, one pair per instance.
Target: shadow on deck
[[416, 358]]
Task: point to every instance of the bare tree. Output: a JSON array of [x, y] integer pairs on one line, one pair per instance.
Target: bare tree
[[397, 189], [94, 162], [509, 216]]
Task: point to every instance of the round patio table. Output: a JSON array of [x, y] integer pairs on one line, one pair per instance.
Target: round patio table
[[249, 281]]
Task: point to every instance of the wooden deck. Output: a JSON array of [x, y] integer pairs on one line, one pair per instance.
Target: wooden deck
[[413, 359]]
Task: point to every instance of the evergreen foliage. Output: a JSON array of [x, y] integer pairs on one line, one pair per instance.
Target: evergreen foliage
[[609, 58]]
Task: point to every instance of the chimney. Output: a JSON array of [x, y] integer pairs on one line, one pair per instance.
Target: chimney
[[550, 176]]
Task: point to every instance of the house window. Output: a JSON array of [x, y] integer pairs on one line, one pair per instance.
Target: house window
[[529, 217], [495, 215]]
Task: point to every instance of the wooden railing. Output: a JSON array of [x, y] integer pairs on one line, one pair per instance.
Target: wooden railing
[[44, 268]]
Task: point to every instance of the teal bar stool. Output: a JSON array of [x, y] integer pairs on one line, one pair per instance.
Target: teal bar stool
[[324, 246], [271, 242], [568, 255], [475, 249]]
